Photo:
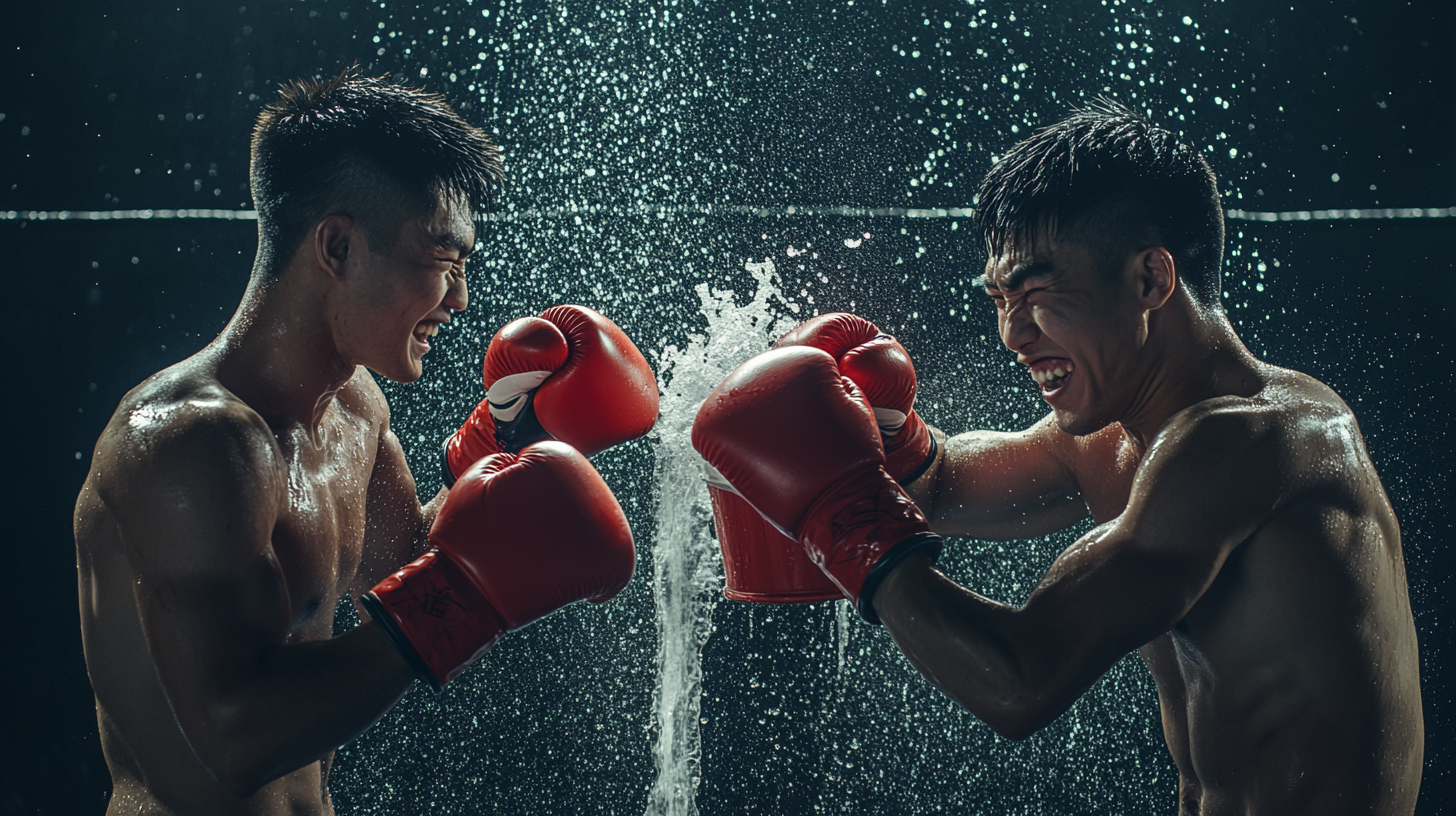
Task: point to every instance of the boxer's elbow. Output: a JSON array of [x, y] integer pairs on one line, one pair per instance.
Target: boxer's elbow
[[1014, 713], [1017, 706], [228, 746], [1017, 721]]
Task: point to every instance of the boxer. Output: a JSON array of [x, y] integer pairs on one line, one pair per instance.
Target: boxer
[[1243, 541], [235, 497]]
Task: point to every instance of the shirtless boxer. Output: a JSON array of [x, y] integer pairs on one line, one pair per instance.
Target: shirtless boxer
[[1244, 543], [236, 496]]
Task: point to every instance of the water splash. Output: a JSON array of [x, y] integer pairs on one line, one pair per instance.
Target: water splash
[[687, 567], [841, 634]]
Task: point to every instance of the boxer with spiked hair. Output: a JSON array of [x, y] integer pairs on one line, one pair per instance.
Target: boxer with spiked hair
[[236, 496], [1243, 541]]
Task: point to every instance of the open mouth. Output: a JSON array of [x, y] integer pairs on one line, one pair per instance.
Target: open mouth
[[424, 332], [1051, 373]]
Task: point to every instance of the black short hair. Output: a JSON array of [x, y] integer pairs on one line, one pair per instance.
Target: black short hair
[[379, 151], [1109, 179]]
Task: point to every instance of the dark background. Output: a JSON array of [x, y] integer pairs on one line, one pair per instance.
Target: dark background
[[151, 106]]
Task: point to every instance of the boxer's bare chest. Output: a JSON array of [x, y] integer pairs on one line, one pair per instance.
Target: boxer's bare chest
[[319, 537]]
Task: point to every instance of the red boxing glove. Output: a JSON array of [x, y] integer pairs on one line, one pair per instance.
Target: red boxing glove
[[518, 538], [799, 443], [569, 374], [760, 563], [882, 369]]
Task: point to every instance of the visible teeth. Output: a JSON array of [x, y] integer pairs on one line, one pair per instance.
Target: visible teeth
[[1047, 376]]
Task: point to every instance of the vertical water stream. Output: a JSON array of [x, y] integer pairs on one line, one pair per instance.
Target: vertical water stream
[[687, 567]]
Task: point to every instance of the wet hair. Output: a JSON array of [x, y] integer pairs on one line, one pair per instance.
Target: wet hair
[[1108, 179], [365, 146]]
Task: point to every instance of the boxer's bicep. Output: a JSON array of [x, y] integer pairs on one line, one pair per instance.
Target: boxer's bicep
[[995, 485], [196, 504], [395, 526]]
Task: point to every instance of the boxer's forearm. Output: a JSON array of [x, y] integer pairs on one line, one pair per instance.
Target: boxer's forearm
[[299, 702], [966, 646], [1117, 588]]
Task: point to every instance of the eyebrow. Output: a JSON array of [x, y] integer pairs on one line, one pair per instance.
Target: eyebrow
[[455, 241], [1018, 276]]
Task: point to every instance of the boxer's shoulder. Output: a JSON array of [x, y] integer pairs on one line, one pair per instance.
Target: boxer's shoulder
[[1284, 408], [183, 401], [1232, 428], [1292, 395], [1254, 439], [179, 421]]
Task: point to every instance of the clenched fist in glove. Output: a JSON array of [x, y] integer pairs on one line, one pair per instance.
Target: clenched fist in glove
[[569, 375], [519, 537], [882, 369], [797, 440]]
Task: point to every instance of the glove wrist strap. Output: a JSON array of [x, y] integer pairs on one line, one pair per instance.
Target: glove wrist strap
[[856, 524], [435, 616], [928, 543]]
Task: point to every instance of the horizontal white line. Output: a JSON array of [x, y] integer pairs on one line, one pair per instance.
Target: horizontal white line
[[1343, 215], [513, 215], [710, 209], [124, 215]]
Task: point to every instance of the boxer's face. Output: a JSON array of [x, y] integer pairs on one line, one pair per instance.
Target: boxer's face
[[1074, 326], [401, 297]]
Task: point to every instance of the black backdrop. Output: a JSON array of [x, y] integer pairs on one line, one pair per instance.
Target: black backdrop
[[150, 107]]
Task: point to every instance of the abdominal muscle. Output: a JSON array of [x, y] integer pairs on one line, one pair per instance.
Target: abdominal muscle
[[153, 768], [1287, 673]]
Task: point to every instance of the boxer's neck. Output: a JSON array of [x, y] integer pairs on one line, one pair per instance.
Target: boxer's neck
[[1192, 354], [278, 353]]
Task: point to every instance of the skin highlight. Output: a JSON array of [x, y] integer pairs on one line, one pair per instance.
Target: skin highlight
[[1244, 545]]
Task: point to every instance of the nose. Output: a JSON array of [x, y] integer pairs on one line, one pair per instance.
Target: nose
[[457, 297], [1017, 328]]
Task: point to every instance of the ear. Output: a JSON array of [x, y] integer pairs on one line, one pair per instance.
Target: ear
[[1157, 277], [334, 237]]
